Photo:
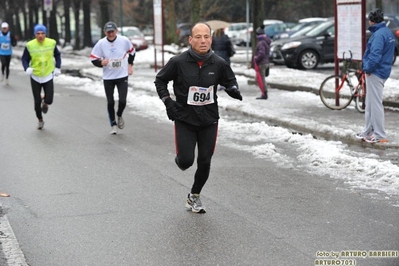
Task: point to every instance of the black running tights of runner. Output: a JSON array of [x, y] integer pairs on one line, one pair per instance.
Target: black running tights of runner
[[5, 64], [48, 88], [109, 86], [186, 138]]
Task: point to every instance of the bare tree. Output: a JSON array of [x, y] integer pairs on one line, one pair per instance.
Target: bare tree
[[104, 10], [87, 41], [67, 21], [76, 9]]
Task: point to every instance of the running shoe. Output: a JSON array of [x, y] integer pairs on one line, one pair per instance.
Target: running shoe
[[7, 82], [194, 203], [44, 107], [262, 97], [360, 136], [375, 140], [40, 125], [114, 130], [121, 122]]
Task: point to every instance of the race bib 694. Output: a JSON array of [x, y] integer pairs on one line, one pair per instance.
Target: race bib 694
[[200, 95]]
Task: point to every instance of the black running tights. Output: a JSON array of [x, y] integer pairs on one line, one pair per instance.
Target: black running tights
[[186, 139], [5, 64], [48, 88], [109, 86]]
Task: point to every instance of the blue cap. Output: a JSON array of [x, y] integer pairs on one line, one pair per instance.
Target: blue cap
[[40, 27]]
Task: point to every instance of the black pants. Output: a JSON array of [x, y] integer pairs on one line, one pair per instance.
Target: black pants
[[186, 138], [48, 88], [109, 86], [5, 64]]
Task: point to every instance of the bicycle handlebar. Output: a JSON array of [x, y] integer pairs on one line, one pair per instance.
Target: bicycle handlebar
[[349, 58]]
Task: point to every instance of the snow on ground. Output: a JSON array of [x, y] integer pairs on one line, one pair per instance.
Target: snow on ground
[[318, 157]]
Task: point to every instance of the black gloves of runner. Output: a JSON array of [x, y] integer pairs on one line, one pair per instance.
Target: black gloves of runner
[[171, 108], [233, 92]]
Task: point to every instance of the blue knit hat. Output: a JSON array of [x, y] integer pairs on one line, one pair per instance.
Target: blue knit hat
[[40, 27]]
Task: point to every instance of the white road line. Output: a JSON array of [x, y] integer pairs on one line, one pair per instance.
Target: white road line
[[9, 244]]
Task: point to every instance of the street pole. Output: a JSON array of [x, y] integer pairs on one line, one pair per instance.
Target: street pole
[[247, 45]]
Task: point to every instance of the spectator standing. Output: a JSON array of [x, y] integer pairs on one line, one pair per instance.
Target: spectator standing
[[222, 45], [261, 60], [38, 62], [7, 41], [115, 55], [196, 74], [377, 65]]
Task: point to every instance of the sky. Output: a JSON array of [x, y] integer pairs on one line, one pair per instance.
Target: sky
[[359, 169]]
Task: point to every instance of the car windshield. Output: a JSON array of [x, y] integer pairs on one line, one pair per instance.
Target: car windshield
[[319, 29], [302, 31], [131, 32]]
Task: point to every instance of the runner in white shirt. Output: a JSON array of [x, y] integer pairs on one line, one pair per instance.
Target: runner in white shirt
[[115, 54]]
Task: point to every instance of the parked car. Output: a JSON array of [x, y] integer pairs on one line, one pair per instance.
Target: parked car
[[236, 29], [135, 36], [307, 51], [302, 24], [183, 32], [277, 28], [268, 22], [241, 39], [316, 46]]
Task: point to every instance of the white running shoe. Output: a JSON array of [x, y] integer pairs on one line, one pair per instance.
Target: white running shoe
[[40, 125], [121, 122], [114, 130], [194, 203]]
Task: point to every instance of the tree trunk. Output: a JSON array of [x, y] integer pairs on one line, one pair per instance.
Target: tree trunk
[[104, 9], [77, 20], [258, 15], [87, 41], [67, 21]]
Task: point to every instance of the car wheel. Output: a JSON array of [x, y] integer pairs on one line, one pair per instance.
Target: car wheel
[[308, 59], [394, 57]]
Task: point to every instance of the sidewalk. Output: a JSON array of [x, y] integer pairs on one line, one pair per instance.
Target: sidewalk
[[312, 117]]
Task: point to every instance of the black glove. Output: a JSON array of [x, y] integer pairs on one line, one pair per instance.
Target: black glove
[[171, 108], [233, 92]]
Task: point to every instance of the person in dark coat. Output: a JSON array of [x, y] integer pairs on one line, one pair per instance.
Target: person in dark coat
[[261, 60], [195, 74], [222, 46]]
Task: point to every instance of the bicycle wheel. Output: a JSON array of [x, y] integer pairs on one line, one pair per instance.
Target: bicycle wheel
[[360, 98], [333, 98]]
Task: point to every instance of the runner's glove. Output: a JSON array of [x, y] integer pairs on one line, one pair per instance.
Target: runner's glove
[[233, 92], [29, 71], [171, 108], [57, 72]]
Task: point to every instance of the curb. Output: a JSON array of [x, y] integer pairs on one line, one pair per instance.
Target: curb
[[316, 133]]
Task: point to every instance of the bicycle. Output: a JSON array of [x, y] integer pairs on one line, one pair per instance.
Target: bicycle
[[337, 91]]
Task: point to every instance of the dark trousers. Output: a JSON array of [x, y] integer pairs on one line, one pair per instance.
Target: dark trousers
[[109, 86], [48, 88], [186, 138], [5, 64]]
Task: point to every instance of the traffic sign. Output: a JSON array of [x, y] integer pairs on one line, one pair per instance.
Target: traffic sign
[[48, 5]]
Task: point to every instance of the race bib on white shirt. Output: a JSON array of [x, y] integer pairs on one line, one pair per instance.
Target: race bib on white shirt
[[5, 46], [115, 63], [200, 95]]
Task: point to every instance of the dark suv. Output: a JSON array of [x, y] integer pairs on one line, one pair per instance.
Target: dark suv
[[316, 46], [307, 51]]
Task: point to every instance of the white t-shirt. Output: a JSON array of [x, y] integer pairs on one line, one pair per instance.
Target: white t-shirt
[[117, 52]]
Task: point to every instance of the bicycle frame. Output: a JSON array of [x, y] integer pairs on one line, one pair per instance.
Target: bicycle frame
[[337, 91]]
